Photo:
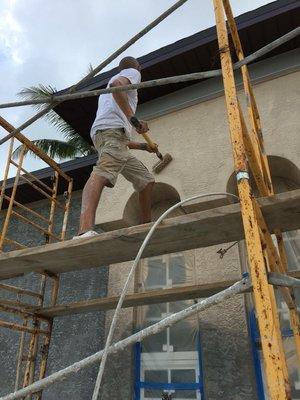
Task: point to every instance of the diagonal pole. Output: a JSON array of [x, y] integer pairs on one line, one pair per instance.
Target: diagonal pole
[[93, 72], [163, 81], [239, 287]]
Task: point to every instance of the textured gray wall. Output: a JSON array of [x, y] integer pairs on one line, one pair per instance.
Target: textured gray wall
[[227, 360], [74, 337]]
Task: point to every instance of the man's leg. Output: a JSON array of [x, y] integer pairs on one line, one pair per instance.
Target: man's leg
[[145, 197], [143, 181], [90, 199]]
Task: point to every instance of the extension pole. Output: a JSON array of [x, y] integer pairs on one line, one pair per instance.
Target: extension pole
[[159, 82], [99, 68], [239, 287]]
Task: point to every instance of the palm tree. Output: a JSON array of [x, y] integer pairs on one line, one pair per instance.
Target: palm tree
[[73, 144]]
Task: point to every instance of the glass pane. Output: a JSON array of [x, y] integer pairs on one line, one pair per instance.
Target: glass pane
[[292, 248], [154, 343], [184, 394], [183, 336], [295, 379], [153, 394], [297, 297], [156, 311], [176, 306], [156, 376], [177, 269], [156, 273], [293, 367], [184, 376], [283, 312]]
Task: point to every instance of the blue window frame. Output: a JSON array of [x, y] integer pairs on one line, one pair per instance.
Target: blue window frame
[[255, 344], [139, 384]]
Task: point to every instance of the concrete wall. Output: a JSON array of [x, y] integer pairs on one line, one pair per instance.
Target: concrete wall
[[74, 337], [191, 124]]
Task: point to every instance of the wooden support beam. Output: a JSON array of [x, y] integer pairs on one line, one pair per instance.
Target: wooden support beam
[[136, 299], [18, 290], [141, 299], [253, 159], [200, 229], [22, 328]]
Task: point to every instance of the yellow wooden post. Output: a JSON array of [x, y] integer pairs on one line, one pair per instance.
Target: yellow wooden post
[[277, 383], [12, 197], [251, 103]]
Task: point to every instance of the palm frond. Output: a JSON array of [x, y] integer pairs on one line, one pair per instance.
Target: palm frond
[[45, 92], [78, 146], [82, 145], [90, 69], [16, 153], [39, 92], [54, 148]]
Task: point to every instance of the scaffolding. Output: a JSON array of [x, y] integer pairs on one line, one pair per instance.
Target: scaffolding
[[267, 261], [32, 326]]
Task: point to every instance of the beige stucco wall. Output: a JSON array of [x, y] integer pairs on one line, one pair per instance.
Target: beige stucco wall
[[198, 139]]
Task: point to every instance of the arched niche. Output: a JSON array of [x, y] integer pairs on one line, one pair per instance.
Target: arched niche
[[164, 196], [285, 176]]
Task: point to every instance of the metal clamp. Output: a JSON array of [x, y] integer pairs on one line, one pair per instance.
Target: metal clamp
[[242, 175]]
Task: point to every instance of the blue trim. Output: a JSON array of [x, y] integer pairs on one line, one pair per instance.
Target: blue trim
[[287, 333], [257, 366], [137, 370], [170, 386], [138, 384], [200, 360]]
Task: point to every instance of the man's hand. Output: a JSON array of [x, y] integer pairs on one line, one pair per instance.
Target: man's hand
[[143, 146], [142, 128], [150, 149]]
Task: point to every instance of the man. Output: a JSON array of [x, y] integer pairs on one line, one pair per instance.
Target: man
[[111, 135]]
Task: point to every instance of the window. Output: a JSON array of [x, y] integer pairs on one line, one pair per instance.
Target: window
[[169, 362]]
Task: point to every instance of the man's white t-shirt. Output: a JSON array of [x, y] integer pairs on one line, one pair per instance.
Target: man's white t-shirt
[[109, 114]]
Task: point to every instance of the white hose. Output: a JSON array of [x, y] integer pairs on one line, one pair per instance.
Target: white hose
[[129, 277]]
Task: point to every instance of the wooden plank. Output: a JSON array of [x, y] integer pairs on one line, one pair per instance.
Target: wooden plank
[[137, 299], [200, 229], [141, 299]]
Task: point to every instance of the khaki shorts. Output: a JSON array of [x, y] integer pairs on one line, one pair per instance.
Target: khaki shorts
[[115, 158]]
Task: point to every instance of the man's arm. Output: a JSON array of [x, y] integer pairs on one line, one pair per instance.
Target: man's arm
[[122, 101], [142, 146]]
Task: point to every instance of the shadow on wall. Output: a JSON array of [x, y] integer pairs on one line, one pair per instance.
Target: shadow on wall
[[164, 196], [285, 176]]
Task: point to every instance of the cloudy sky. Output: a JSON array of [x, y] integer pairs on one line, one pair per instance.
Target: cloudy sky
[[53, 42]]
